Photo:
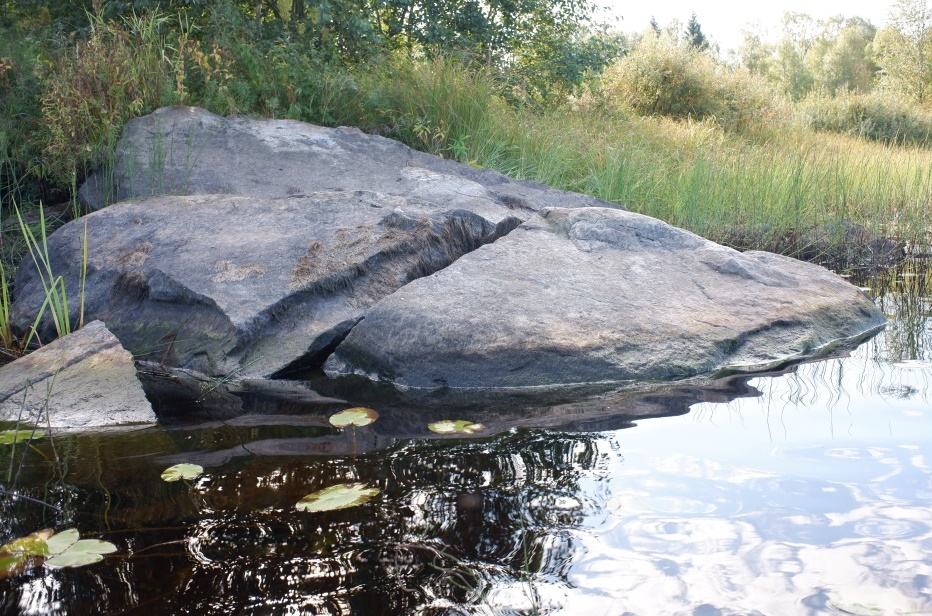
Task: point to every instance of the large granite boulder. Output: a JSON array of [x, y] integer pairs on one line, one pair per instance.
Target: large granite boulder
[[245, 287], [83, 380], [599, 295], [187, 151], [328, 245]]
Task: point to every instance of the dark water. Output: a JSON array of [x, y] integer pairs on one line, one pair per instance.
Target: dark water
[[810, 498]]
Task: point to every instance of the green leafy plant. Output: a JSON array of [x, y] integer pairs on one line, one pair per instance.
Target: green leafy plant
[[58, 550], [13, 437], [56, 294]]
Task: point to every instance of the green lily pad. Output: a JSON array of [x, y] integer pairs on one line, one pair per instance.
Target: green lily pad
[[8, 437], [340, 496], [23, 553], [83, 552], [182, 471], [59, 542], [358, 416], [455, 426]]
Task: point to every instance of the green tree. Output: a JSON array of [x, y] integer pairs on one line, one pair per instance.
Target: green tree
[[904, 50], [755, 54], [654, 25], [838, 60], [694, 36]]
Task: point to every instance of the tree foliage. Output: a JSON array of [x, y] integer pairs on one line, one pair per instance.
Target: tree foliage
[[831, 56], [694, 36], [904, 50]]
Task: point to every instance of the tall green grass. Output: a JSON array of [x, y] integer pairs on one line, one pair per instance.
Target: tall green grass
[[750, 190], [724, 162]]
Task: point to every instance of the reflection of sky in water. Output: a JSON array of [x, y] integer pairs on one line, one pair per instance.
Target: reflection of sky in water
[[814, 498]]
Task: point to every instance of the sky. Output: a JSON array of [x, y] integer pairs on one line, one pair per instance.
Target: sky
[[722, 22]]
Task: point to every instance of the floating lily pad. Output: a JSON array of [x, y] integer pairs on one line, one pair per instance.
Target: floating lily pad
[[33, 545], [358, 416], [23, 553], [8, 437], [341, 496], [455, 426], [82, 552], [182, 471], [60, 542]]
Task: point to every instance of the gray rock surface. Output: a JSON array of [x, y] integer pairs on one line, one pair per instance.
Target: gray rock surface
[[601, 295], [283, 244], [187, 150], [246, 287], [83, 380]]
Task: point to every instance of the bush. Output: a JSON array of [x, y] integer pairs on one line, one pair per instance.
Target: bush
[[122, 70], [20, 95], [437, 105], [662, 77], [870, 116]]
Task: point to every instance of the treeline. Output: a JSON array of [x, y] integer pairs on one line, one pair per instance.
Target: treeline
[[839, 75], [546, 43]]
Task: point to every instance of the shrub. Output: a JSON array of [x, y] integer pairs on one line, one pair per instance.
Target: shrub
[[871, 116], [20, 94], [434, 105], [122, 70], [662, 77]]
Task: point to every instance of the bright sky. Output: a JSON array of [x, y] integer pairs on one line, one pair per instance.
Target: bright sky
[[722, 22]]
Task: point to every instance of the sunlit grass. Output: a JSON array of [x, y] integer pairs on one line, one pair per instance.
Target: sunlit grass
[[696, 176]]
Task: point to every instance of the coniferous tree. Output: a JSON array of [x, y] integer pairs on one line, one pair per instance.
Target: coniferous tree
[[654, 25], [694, 35]]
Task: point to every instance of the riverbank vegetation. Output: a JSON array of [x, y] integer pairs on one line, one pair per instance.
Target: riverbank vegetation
[[806, 146]]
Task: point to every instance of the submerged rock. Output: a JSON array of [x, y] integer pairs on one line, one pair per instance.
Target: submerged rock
[[243, 286], [599, 295], [83, 380], [187, 150]]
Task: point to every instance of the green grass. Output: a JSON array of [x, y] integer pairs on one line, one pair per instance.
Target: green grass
[[753, 184], [750, 189]]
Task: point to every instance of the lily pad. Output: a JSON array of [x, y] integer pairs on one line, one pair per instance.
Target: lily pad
[[8, 437], [23, 553], [357, 416], [60, 542], [32, 545], [83, 552], [455, 426], [182, 471], [340, 496]]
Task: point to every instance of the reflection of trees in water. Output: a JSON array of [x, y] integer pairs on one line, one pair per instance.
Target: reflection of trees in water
[[454, 518], [499, 511], [903, 295]]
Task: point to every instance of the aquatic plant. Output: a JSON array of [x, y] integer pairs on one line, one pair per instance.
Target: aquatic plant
[[58, 550], [187, 472], [358, 416], [457, 426], [340, 496]]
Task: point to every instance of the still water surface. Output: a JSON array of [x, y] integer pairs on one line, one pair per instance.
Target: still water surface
[[814, 497]]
